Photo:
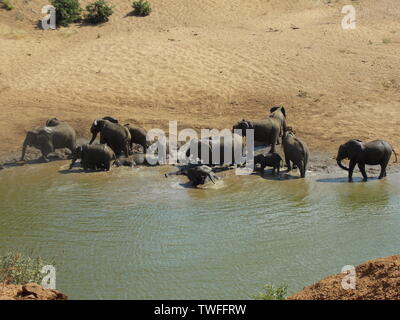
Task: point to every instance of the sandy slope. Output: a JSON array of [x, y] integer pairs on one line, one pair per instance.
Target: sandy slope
[[207, 63]]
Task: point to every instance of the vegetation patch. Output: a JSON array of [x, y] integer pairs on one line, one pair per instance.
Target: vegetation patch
[[16, 268], [7, 4], [141, 8], [67, 11], [98, 12], [272, 292]]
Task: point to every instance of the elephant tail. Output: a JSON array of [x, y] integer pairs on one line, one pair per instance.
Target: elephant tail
[[395, 154]]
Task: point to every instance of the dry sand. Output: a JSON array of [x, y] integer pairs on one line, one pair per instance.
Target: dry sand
[[208, 64]]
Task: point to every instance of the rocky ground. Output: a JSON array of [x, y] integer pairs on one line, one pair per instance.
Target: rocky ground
[[377, 279], [30, 291]]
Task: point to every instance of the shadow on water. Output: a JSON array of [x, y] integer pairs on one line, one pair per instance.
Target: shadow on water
[[344, 180]]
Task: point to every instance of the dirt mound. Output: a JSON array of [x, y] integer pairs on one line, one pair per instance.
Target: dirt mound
[[375, 280], [30, 291]]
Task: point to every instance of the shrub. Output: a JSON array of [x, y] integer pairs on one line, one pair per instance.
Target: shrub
[[18, 269], [67, 11], [7, 4], [98, 12], [272, 292], [142, 8]]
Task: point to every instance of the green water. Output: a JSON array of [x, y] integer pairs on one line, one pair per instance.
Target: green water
[[133, 234]]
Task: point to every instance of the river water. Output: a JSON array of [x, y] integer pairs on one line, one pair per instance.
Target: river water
[[134, 234]]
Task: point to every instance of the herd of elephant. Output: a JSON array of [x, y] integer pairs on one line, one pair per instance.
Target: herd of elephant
[[117, 139]]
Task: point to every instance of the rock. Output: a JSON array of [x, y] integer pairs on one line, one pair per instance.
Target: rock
[[30, 291]]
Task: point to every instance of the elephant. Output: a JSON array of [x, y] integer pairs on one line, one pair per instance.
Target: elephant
[[377, 152], [279, 112], [197, 174], [223, 144], [138, 136], [115, 135], [96, 156], [265, 131], [296, 152], [57, 135], [269, 160]]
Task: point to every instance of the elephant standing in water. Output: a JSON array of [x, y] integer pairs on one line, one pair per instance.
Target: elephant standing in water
[[273, 160], [138, 136], [225, 146], [265, 131], [98, 156], [56, 134], [376, 152], [295, 152], [115, 135], [279, 113]]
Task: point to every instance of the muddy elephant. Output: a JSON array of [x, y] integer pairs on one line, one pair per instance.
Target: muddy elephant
[[115, 135], [94, 157], [138, 136], [296, 152], [265, 131], [377, 152], [216, 151], [197, 174], [279, 113], [56, 135], [273, 160]]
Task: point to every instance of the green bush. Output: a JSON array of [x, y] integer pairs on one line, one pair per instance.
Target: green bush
[[272, 292], [67, 11], [142, 8], [98, 12], [18, 269], [7, 4]]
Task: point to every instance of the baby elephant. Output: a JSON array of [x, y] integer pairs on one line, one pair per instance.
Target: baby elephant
[[96, 156], [271, 159]]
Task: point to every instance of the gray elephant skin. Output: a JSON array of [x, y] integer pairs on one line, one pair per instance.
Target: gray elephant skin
[[230, 145], [296, 152], [377, 152], [198, 175], [56, 134], [138, 136], [279, 113], [115, 135], [273, 160], [265, 131], [94, 157]]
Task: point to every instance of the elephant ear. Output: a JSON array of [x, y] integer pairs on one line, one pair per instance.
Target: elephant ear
[[354, 148], [283, 111], [273, 109], [248, 124]]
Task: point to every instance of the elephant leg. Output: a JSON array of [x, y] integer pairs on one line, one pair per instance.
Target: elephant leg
[[351, 169], [383, 171], [361, 166], [301, 167]]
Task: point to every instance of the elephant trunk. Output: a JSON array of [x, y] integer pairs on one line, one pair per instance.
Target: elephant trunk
[[94, 135], [211, 178], [339, 162], [24, 150]]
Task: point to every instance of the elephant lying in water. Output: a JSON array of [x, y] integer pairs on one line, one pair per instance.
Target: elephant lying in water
[[56, 134], [376, 152], [94, 157], [198, 174]]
